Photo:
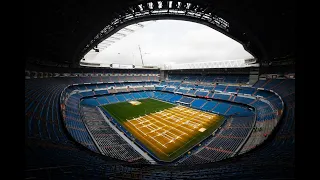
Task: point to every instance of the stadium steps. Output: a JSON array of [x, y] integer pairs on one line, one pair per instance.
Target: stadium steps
[[192, 101], [255, 92], [277, 85], [98, 102], [225, 90], [203, 105], [107, 99], [228, 110], [269, 80], [253, 102], [215, 106], [116, 98]]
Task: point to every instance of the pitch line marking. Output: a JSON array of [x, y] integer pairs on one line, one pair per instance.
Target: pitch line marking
[[165, 119], [181, 124], [164, 133], [193, 119], [152, 144], [152, 136], [170, 123]]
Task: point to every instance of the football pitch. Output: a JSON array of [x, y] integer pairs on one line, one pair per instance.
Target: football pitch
[[167, 130]]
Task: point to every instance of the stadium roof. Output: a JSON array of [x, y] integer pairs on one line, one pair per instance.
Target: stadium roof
[[62, 33]]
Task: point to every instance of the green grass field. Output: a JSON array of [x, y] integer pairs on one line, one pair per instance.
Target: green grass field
[[124, 110], [165, 129]]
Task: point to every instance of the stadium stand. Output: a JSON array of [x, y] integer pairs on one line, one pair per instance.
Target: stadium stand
[[230, 136], [233, 79], [66, 136], [109, 142]]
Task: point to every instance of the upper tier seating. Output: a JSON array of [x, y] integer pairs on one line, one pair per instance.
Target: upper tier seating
[[210, 78]]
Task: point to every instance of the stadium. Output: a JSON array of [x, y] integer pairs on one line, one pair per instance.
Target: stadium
[[231, 119]]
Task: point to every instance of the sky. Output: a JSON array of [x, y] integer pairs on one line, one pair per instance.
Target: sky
[[167, 42]]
